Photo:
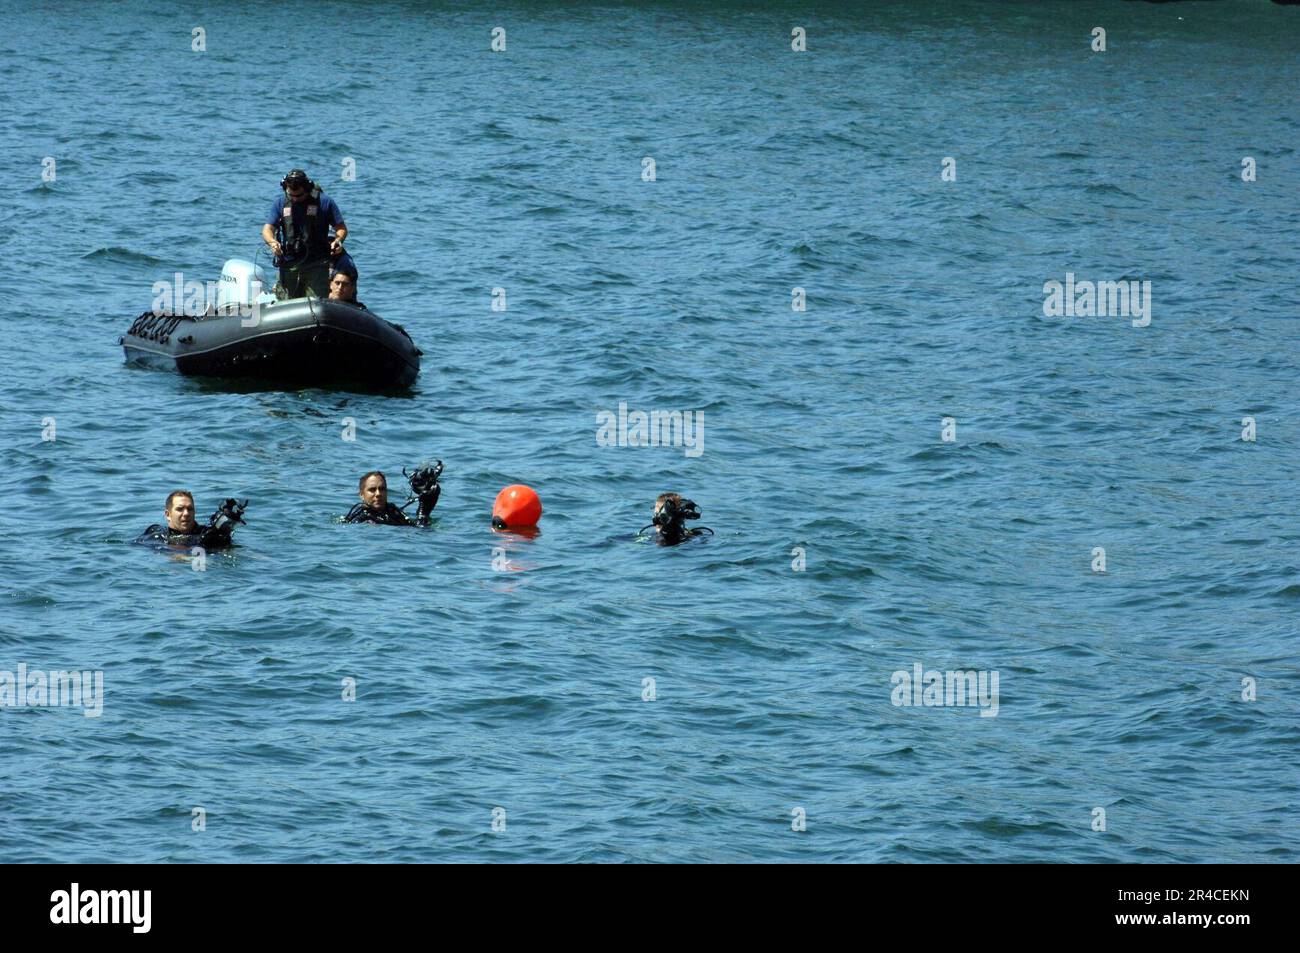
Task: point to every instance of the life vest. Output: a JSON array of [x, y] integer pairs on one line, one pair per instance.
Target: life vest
[[306, 235]]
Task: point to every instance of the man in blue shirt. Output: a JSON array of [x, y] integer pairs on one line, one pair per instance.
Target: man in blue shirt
[[297, 231]]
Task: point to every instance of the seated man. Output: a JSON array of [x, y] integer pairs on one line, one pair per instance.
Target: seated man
[[343, 281], [670, 516], [297, 231], [181, 529], [375, 508]]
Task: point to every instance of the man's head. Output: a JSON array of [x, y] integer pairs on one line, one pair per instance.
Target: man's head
[[671, 514], [296, 185], [663, 498], [179, 511], [373, 490], [343, 286]]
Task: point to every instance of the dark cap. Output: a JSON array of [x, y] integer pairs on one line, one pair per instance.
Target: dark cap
[[344, 265]]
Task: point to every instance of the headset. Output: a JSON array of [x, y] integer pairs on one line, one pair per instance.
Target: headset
[[297, 175]]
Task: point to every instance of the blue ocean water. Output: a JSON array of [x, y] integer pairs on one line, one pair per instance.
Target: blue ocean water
[[503, 678]]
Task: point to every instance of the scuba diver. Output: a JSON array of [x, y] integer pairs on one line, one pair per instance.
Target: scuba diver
[[181, 529], [375, 508], [297, 232], [671, 514]]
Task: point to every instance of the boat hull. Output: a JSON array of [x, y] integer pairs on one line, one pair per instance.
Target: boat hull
[[303, 341]]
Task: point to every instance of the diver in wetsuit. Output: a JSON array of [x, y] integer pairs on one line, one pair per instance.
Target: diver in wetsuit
[[297, 231], [671, 514], [181, 530], [375, 508]]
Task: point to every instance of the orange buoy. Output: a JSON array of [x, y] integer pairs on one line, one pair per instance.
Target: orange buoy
[[516, 506]]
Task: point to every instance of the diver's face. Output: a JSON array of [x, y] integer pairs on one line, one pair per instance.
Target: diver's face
[[297, 193], [343, 288], [375, 493], [181, 515]]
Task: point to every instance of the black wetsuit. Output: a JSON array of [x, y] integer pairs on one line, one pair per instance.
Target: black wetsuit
[[206, 536], [672, 535], [390, 515], [675, 533]]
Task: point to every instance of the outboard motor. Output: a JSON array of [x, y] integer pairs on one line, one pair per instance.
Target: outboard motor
[[242, 283]]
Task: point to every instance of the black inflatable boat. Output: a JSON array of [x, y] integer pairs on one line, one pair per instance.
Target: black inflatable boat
[[301, 341]]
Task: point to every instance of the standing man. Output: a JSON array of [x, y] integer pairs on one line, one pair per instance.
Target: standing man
[[297, 231]]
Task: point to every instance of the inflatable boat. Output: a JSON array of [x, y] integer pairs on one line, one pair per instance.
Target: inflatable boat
[[312, 342]]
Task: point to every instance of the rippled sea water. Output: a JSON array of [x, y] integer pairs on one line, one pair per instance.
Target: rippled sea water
[[480, 688]]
